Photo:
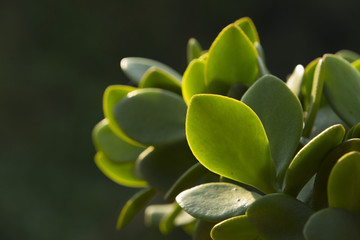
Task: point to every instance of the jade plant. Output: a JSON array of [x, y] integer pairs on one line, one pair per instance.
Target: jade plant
[[235, 152]]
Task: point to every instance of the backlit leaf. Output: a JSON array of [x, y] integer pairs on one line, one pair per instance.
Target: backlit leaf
[[194, 80]]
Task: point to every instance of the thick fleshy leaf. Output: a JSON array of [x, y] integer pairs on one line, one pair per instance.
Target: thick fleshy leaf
[[281, 115], [354, 132], [135, 67], [308, 160], [342, 88], [188, 178], [134, 205], [161, 166], [232, 59], [193, 50], [216, 201], [332, 224], [237, 91], [279, 217], [152, 116], [356, 64], [320, 199], [227, 137], [348, 55], [296, 79], [114, 147], [344, 182], [247, 25], [194, 80], [315, 99], [114, 94], [177, 217], [306, 88], [121, 173], [156, 78], [235, 228]]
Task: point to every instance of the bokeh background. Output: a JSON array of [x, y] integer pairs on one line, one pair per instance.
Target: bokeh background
[[57, 58]]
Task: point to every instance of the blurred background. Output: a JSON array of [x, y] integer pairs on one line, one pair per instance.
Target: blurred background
[[57, 58]]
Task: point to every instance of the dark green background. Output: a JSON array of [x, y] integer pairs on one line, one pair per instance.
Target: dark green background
[[57, 58]]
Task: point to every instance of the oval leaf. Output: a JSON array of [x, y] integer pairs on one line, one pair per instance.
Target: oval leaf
[[278, 216], [344, 182], [134, 205], [121, 173], [216, 201], [235, 228], [232, 59], [342, 88], [194, 80], [228, 138], [162, 166], [308, 160], [114, 147], [113, 95], [332, 224], [156, 78], [248, 26], [193, 50], [152, 116], [281, 115], [135, 67]]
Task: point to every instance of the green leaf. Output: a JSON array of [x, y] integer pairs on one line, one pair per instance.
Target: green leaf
[[306, 88], [315, 98], [320, 199], [154, 214], [113, 95], [188, 178], [224, 134], [193, 50], [308, 160], [332, 224], [161, 166], [235, 228], [114, 147], [216, 201], [152, 116], [348, 55], [344, 181], [237, 91], [134, 205], [295, 80], [342, 88], [354, 132], [281, 115], [278, 216], [232, 59], [356, 64], [121, 173], [175, 218], [247, 25], [194, 80], [135, 67], [156, 78]]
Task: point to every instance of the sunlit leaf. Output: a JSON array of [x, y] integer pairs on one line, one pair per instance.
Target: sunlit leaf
[[216, 201], [193, 50], [344, 182], [296, 79], [156, 78], [348, 55], [332, 224], [134, 205], [152, 116], [235, 228], [279, 217], [121, 173], [306, 88], [135, 67], [232, 59], [356, 64], [247, 25], [281, 115], [194, 80], [224, 134], [161, 166], [308, 160], [342, 88], [114, 147]]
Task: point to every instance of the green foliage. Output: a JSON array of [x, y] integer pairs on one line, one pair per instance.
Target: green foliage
[[235, 152]]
